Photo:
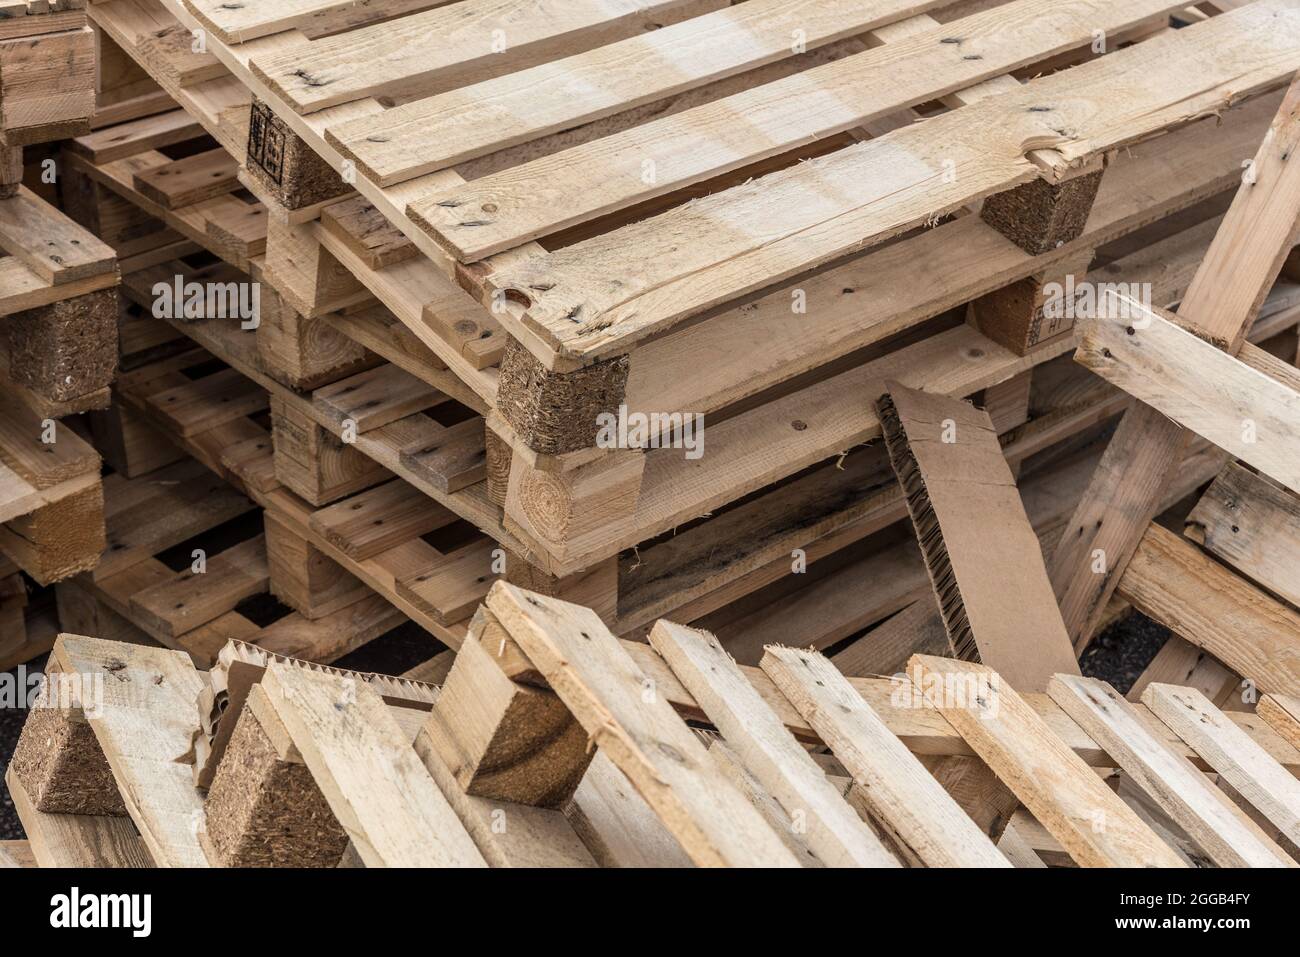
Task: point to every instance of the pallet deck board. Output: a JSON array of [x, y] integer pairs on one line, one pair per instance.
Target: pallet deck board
[[149, 695], [604, 175], [783, 768], [1254, 775], [451, 45]]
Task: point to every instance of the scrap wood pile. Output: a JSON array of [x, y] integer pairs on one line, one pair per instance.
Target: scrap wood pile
[[948, 333], [554, 743]]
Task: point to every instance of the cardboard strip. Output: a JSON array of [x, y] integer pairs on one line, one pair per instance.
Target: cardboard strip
[[980, 551]]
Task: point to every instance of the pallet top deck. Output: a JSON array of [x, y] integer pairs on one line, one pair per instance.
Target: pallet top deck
[[507, 227]]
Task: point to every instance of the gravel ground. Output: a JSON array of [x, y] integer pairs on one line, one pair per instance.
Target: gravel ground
[[1119, 655]]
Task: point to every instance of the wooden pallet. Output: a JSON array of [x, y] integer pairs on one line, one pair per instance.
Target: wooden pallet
[[352, 236], [701, 560], [51, 496], [377, 535], [47, 74], [692, 365], [704, 573], [147, 586], [543, 723]]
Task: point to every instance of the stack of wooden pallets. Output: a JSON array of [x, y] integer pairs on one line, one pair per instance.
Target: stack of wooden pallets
[[58, 322], [755, 317], [762, 236]]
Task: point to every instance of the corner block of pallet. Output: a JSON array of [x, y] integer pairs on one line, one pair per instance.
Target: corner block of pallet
[[286, 166], [264, 808], [60, 539], [60, 764], [305, 274], [503, 740], [313, 462], [556, 412], [497, 453], [304, 352], [1034, 310], [66, 349], [1041, 215], [556, 511], [304, 577], [97, 208], [129, 443]]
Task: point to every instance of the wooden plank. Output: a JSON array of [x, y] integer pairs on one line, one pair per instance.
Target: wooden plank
[[76, 840], [1142, 457], [43, 454], [189, 599], [49, 243], [884, 650], [375, 397], [1249, 523], [47, 85], [17, 854], [606, 691], [368, 233], [448, 47], [143, 726], [365, 766], [151, 513], [449, 458], [827, 824], [203, 404], [1172, 581], [1229, 837], [190, 180], [137, 136], [239, 23], [1231, 752], [980, 551], [1063, 793], [1202, 388], [461, 124], [617, 825], [449, 587], [379, 518], [904, 797], [1282, 712]]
